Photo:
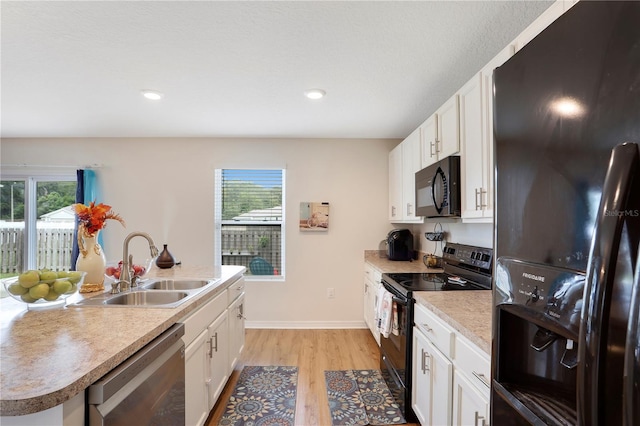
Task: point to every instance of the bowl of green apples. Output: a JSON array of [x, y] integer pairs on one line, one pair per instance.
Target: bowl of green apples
[[43, 288]]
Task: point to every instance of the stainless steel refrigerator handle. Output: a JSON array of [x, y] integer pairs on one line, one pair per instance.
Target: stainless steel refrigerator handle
[[605, 243], [631, 397]]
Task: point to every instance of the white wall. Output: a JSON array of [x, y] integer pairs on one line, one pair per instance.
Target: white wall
[[165, 187]]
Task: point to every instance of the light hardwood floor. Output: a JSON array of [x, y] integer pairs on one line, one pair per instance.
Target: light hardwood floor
[[313, 352]]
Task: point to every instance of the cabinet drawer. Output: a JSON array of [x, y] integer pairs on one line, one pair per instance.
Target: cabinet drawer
[[435, 329], [474, 362], [235, 290], [200, 319]]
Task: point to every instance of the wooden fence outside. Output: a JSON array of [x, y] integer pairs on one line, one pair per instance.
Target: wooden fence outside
[[54, 249], [242, 243]]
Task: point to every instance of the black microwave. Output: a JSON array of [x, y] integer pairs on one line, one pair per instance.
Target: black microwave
[[438, 189]]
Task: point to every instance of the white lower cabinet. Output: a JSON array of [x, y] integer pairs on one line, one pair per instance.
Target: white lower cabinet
[[432, 382], [196, 397], [236, 330], [470, 405], [372, 278], [450, 375], [214, 338], [218, 368]]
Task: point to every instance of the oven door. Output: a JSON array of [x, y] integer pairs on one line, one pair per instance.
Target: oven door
[[394, 351]]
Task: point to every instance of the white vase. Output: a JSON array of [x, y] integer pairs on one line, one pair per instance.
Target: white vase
[[91, 258]]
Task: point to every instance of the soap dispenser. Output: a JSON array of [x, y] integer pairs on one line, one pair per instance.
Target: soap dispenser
[[165, 260]]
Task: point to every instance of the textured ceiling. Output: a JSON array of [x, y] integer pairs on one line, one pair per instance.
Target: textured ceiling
[[239, 68]]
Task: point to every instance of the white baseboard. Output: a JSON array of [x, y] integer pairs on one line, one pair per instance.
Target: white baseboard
[[305, 324]]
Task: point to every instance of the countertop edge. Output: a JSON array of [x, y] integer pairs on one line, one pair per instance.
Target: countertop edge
[[479, 337], [30, 405]]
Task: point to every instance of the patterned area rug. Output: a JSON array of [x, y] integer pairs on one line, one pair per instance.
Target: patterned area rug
[[360, 397], [263, 396]]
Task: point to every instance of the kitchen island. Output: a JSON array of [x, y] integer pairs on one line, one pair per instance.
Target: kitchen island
[[49, 357]]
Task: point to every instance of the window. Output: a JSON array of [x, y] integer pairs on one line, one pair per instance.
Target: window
[[249, 220], [36, 222]]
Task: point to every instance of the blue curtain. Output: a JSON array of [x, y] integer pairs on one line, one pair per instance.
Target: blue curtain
[[86, 191]]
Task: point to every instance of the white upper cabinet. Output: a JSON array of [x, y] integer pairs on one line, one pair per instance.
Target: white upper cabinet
[[476, 141], [404, 162], [441, 133], [472, 163]]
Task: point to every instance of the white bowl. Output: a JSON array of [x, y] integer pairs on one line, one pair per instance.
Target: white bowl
[[59, 286]]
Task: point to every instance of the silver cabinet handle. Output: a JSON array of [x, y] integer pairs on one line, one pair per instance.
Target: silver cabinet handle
[[393, 211], [424, 366], [477, 418], [215, 336], [431, 153], [438, 142], [478, 204], [409, 213], [482, 378], [210, 351], [483, 204], [426, 327]]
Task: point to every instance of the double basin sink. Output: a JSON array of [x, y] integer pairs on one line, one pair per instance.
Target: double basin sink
[[151, 293]]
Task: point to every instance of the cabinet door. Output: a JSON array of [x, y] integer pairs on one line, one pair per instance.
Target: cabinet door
[[196, 370], [236, 330], [471, 148], [428, 153], [470, 406], [487, 121], [432, 382], [395, 184], [448, 128], [218, 350], [410, 165]]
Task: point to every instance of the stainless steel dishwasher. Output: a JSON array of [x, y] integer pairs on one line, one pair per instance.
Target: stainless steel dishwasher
[[147, 389]]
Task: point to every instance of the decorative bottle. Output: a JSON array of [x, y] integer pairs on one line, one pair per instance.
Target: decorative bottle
[[165, 260]]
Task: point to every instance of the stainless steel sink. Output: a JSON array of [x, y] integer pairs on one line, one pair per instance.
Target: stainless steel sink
[[176, 284], [151, 293], [147, 298]]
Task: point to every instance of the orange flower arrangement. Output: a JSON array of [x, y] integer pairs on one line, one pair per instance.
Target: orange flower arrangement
[[93, 217]]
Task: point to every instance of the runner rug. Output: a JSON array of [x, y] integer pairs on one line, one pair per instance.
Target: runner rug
[[263, 396], [360, 397]]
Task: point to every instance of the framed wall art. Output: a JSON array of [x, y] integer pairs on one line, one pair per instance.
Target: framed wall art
[[314, 216]]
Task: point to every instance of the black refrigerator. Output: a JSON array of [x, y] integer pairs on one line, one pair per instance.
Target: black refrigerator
[[567, 223]]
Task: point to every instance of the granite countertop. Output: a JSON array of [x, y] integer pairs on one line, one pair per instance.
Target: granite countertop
[[379, 261], [48, 357], [468, 312]]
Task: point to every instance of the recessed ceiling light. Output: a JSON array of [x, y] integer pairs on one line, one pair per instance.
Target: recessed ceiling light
[[315, 93], [153, 95]]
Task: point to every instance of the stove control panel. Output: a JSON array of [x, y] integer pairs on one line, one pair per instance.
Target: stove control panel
[[468, 255]]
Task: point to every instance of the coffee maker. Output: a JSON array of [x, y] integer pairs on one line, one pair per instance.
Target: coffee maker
[[400, 245]]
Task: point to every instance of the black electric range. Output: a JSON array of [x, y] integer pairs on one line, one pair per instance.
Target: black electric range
[[465, 268]]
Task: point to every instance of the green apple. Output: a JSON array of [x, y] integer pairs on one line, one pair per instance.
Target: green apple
[[52, 295], [27, 298], [63, 274], [39, 291], [47, 276], [29, 278], [73, 289], [16, 289], [61, 286], [74, 276]]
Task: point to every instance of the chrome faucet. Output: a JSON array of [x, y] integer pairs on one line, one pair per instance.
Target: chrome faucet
[[126, 281]]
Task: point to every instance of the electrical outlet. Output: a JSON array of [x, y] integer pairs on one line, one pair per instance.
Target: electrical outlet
[[331, 293]]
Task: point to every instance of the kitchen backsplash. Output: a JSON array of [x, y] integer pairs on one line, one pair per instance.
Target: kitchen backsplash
[[476, 234]]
